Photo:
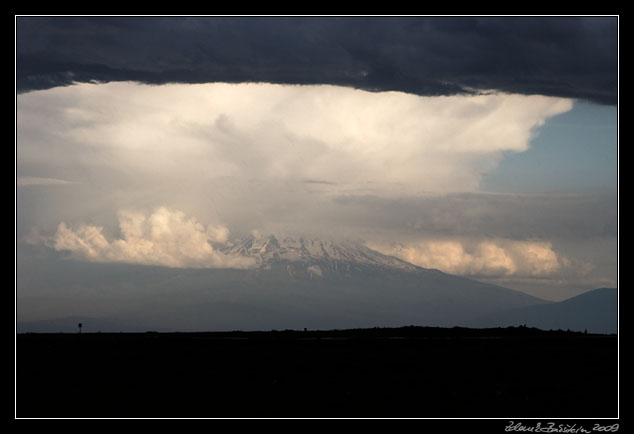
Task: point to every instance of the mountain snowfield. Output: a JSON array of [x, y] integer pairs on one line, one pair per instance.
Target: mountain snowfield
[[315, 256], [297, 283]]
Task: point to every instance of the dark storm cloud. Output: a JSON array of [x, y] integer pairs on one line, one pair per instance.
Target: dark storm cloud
[[557, 56]]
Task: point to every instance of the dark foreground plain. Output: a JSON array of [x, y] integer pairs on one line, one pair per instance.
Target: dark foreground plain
[[410, 372]]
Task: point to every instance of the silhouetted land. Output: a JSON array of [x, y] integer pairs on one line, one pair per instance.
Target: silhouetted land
[[405, 372]]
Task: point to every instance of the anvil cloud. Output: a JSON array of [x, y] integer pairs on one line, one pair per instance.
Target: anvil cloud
[[261, 152], [347, 140]]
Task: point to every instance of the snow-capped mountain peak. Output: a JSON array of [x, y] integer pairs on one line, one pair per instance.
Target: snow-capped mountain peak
[[315, 255]]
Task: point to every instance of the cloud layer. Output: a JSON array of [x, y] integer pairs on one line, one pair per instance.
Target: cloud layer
[[325, 137], [31, 180], [574, 57], [483, 258], [165, 237]]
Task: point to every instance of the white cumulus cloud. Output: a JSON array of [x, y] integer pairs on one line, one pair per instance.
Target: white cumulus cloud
[[498, 257], [165, 237], [388, 143]]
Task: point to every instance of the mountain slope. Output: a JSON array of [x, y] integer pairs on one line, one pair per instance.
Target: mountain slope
[[297, 283], [595, 311], [342, 284], [335, 257]]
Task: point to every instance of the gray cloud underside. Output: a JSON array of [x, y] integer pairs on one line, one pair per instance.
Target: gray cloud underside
[[514, 216], [557, 56]]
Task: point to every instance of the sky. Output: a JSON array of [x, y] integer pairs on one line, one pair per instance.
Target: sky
[[482, 146]]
